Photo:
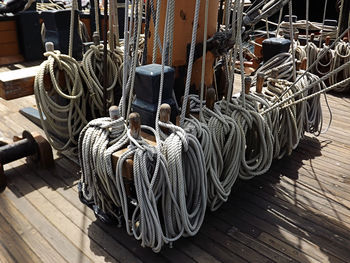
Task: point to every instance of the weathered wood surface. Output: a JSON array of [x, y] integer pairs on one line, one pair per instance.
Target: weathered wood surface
[[17, 83], [298, 212]]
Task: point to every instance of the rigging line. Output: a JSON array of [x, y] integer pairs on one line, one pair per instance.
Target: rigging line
[[126, 57], [72, 26], [323, 19], [307, 32], [105, 70], [156, 32], [190, 63], [291, 35], [239, 38], [205, 36], [139, 7], [161, 84], [340, 83], [97, 17], [267, 25]]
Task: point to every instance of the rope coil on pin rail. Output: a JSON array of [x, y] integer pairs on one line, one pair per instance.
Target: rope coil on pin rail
[[187, 174], [312, 53], [93, 67], [183, 152], [263, 100], [341, 56], [219, 187], [61, 107], [256, 157], [324, 65], [282, 62], [288, 123], [224, 163], [97, 142], [313, 113], [153, 189]]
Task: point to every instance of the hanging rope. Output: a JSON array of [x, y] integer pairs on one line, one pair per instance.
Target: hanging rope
[[62, 107], [341, 56], [324, 64], [93, 67], [97, 142]]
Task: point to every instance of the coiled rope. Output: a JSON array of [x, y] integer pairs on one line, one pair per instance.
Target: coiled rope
[[93, 67], [61, 107], [97, 142], [341, 56]]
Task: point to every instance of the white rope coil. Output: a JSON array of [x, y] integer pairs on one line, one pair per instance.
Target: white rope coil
[[97, 142], [341, 56], [187, 174]]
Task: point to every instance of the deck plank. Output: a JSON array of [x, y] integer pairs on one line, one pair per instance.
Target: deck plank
[[29, 234], [5, 256], [61, 221], [14, 243]]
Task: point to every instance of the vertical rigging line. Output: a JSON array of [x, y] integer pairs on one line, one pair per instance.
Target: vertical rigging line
[[72, 26], [291, 35], [97, 17], [323, 19], [156, 32], [307, 32], [279, 22], [205, 36], [126, 56], [190, 63], [105, 71]]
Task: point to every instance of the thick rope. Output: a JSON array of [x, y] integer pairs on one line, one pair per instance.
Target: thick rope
[[93, 67], [62, 109]]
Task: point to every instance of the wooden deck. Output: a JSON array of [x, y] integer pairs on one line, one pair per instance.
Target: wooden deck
[[298, 212]]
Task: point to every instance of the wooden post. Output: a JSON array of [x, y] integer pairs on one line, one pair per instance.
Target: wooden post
[[303, 64], [49, 47], [247, 84], [96, 38], [164, 115], [274, 75], [135, 125], [312, 37], [260, 82], [114, 112], [210, 98], [298, 65]]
